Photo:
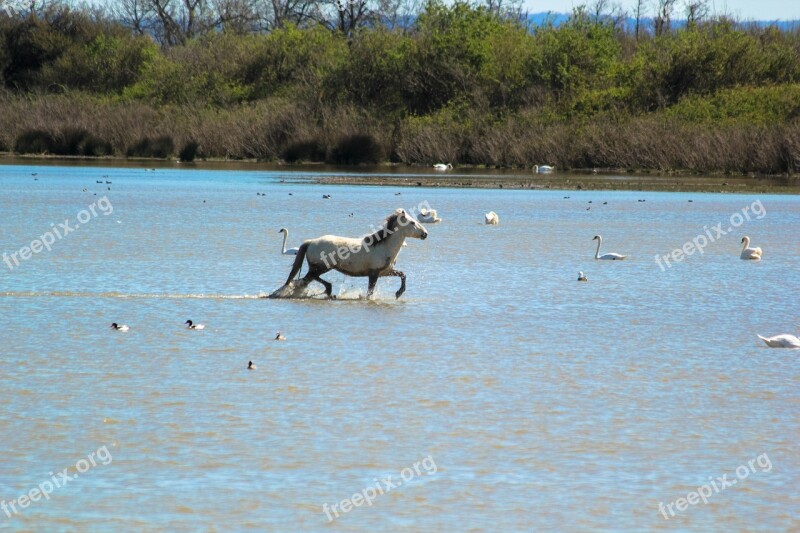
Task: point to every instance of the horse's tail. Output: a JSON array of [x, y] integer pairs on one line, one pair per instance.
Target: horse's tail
[[298, 262]]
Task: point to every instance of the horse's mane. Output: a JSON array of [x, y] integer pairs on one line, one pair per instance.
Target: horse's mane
[[389, 226]]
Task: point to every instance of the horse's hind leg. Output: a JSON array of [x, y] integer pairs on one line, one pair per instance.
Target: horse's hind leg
[[402, 277], [314, 275], [328, 286]]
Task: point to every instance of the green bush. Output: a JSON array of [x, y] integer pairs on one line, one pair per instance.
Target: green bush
[[159, 147], [189, 151], [34, 142], [304, 150], [69, 141], [356, 149]]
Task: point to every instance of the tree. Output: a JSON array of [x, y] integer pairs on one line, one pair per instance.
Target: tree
[[639, 11], [350, 14], [696, 10], [507, 9], [663, 18], [276, 14], [135, 14]]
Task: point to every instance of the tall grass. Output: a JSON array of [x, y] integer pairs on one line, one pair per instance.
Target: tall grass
[[277, 129]]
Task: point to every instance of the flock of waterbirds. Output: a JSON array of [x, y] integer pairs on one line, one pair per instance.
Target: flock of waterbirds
[[191, 325], [493, 219]]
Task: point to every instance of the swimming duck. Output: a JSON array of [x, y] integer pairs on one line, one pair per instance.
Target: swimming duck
[[191, 325], [119, 327]]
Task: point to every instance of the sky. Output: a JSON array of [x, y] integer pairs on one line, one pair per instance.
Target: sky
[[742, 9]]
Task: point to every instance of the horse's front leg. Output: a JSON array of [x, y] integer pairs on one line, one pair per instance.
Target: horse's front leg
[[402, 282], [373, 280]]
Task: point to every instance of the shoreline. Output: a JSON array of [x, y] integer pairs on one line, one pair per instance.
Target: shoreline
[[577, 181], [463, 177]]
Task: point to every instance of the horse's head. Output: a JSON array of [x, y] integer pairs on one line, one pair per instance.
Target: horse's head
[[399, 223], [407, 225]]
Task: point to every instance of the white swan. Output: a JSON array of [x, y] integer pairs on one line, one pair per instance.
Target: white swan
[[429, 216], [442, 166], [542, 169], [581, 277], [781, 341], [608, 257], [290, 251], [492, 218], [191, 325], [119, 327], [749, 253]]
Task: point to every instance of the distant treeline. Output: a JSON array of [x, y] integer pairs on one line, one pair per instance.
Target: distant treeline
[[363, 83]]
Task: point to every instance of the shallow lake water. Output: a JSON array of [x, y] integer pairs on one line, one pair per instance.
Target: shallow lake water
[[527, 400]]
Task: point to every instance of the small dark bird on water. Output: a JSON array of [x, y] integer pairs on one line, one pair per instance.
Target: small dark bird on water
[[250, 365]]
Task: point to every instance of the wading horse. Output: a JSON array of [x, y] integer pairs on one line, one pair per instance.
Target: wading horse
[[372, 256]]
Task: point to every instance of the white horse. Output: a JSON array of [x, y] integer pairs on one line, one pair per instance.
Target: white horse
[[372, 256]]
